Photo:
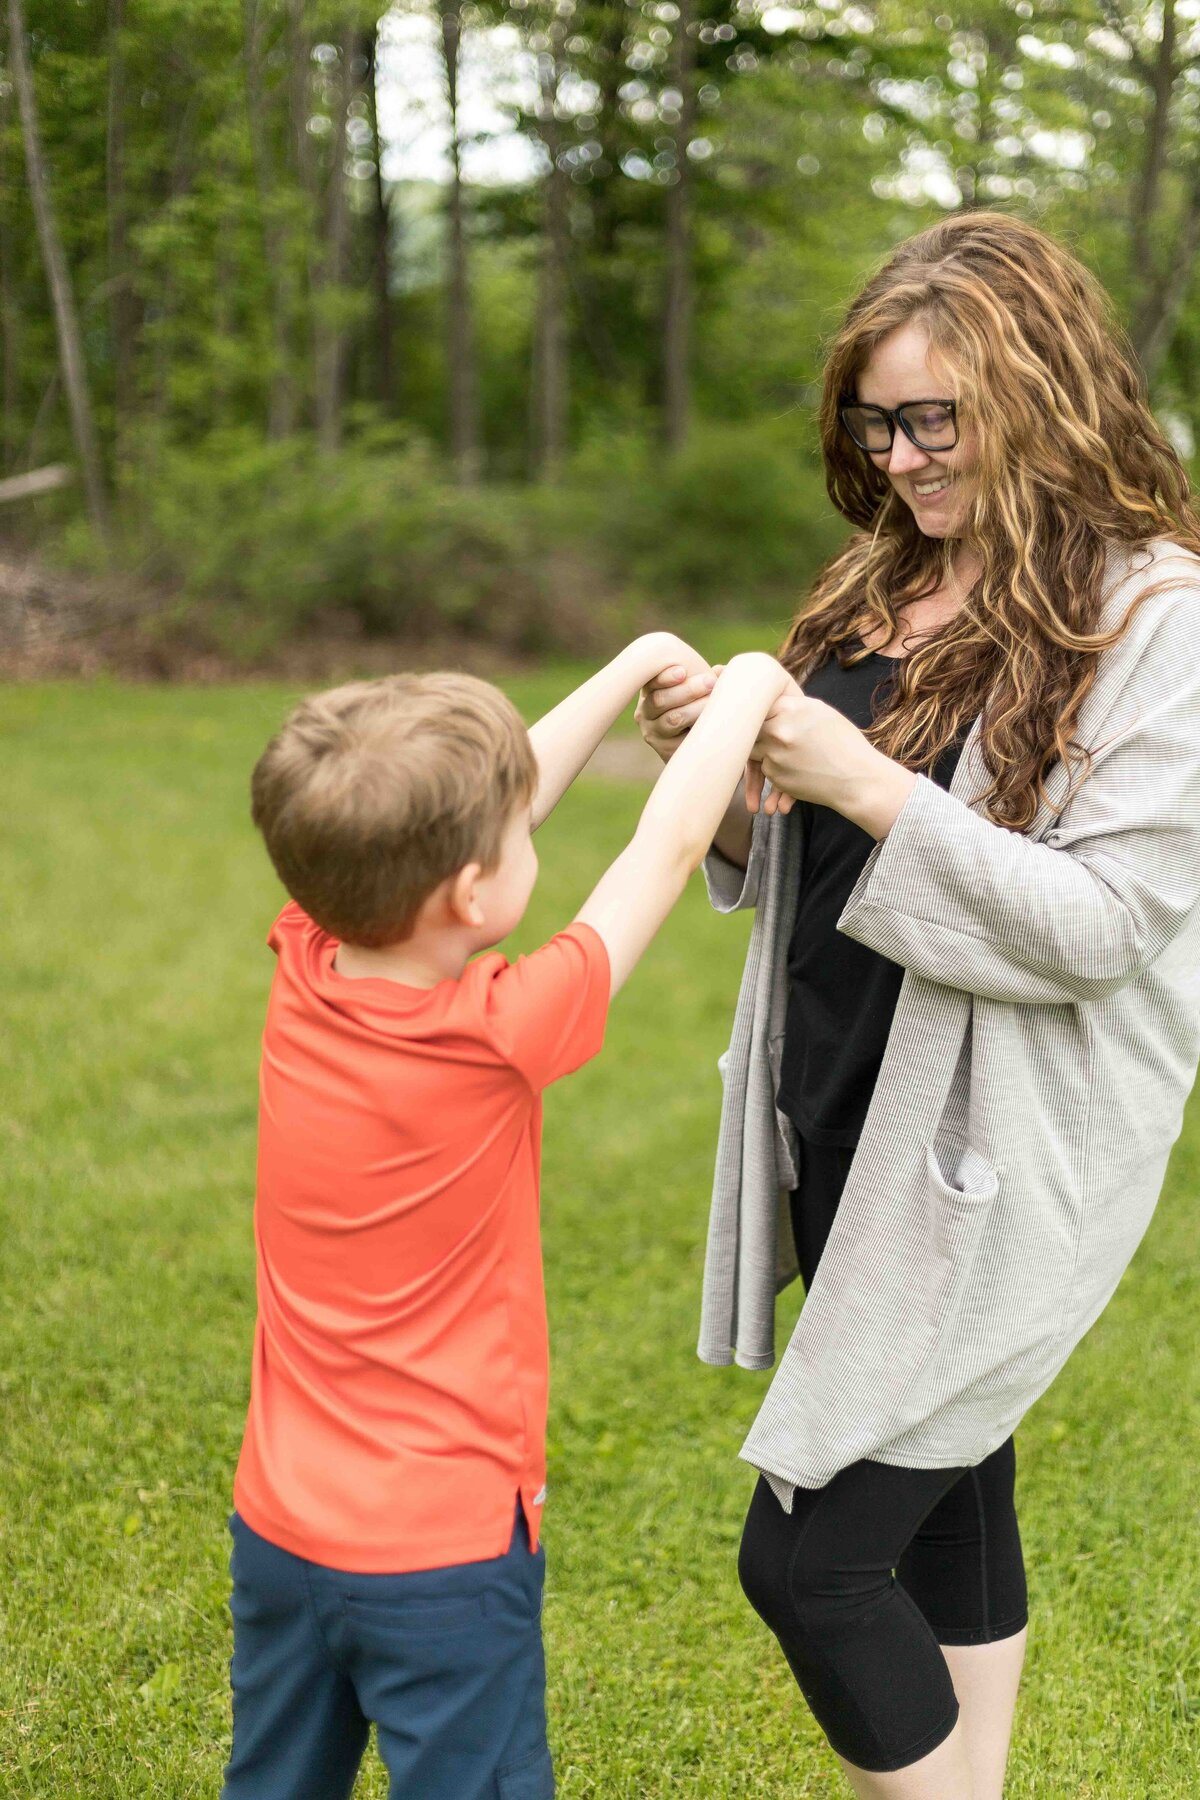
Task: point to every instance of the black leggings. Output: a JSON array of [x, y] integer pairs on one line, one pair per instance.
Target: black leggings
[[867, 1577]]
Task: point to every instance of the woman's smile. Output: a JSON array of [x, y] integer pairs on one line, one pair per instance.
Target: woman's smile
[[898, 371]]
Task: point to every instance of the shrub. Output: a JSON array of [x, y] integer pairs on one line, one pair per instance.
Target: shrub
[[275, 540], [263, 542]]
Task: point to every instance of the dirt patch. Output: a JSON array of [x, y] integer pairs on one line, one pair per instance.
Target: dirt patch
[[624, 759], [58, 626], [55, 626]]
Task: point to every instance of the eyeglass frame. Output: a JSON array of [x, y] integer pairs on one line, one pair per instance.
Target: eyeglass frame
[[892, 417]]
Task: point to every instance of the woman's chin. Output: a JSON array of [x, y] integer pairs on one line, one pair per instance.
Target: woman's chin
[[930, 525]]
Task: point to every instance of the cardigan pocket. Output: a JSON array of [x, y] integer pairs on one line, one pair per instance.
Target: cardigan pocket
[[960, 1201]]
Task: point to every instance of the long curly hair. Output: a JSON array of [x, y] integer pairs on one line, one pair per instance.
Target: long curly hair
[[1070, 462]]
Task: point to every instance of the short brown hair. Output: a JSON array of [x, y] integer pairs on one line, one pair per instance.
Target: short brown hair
[[373, 794]]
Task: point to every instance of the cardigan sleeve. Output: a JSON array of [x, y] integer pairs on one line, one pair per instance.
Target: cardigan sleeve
[[1076, 916], [731, 889]]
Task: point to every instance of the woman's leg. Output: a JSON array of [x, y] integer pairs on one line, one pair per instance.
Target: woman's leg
[[965, 1570], [945, 1774], [986, 1678], [865, 1658]]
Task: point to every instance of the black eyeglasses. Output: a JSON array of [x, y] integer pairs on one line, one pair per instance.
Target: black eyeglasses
[[929, 424]]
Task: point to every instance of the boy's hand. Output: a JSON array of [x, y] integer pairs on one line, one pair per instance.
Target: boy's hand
[[756, 776], [568, 734], [683, 812]]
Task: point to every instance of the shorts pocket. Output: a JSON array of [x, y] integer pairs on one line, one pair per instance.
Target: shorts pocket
[[408, 1614], [532, 1778]]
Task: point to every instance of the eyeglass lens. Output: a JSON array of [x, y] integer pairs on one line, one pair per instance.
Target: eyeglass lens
[[931, 426]]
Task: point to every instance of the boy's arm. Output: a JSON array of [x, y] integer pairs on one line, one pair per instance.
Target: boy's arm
[[567, 736], [683, 812]]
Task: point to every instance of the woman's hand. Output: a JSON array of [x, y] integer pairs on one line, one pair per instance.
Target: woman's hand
[[810, 751], [670, 704]]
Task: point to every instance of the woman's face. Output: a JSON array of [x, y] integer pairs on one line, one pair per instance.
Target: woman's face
[[935, 484]]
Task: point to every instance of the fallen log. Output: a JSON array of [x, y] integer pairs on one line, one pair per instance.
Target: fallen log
[[37, 481]]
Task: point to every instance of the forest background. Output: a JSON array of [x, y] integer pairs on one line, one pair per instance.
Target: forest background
[[503, 320]]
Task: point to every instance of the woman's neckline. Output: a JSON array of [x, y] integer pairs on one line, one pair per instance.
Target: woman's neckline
[[879, 655]]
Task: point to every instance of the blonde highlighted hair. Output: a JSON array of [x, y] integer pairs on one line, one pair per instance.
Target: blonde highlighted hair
[[1069, 461], [373, 794]]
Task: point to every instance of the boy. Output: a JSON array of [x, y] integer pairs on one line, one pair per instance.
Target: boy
[[386, 1563]]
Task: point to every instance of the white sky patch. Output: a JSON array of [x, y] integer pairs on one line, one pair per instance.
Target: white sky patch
[[1061, 56], [913, 96], [414, 117], [924, 175], [1065, 149], [778, 19], [1110, 43]]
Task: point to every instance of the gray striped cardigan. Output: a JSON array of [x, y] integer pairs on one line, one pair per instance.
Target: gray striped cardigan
[[1044, 1043]]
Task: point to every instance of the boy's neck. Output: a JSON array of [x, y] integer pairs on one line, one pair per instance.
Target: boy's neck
[[420, 961]]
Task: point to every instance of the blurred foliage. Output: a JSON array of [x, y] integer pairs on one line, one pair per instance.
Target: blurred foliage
[[265, 540], [274, 415]]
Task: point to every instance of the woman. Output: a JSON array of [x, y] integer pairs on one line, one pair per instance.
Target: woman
[[968, 1023]]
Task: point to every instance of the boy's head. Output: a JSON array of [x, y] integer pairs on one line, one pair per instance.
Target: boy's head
[[374, 795]]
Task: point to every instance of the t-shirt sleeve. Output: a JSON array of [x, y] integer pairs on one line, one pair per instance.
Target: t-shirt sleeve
[[291, 921], [548, 1010]]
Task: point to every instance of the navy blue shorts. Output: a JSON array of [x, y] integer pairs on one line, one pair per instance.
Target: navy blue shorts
[[446, 1663]]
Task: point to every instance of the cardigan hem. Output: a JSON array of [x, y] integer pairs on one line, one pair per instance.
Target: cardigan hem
[[715, 1359], [781, 1483]]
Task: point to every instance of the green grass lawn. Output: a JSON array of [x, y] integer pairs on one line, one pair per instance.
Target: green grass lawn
[[135, 900]]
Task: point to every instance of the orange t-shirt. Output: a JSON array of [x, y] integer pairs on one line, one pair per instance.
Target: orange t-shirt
[[398, 1391]]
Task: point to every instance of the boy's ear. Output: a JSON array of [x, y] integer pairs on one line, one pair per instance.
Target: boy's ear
[[461, 898]]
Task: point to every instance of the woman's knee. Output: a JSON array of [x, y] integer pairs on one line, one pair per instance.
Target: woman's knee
[[793, 1576], [764, 1556]]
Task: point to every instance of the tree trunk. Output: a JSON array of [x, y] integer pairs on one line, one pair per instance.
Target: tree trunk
[[180, 182], [10, 318], [611, 75], [121, 304], [281, 400], [302, 162], [550, 366], [460, 344], [1147, 276], [381, 251], [70, 348], [677, 313], [591, 277], [1155, 326], [330, 332], [299, 52]]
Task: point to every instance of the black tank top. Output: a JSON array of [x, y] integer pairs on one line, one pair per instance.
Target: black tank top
[[841, 996]]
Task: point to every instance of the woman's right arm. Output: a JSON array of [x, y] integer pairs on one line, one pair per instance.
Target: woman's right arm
[[665, 715], [732, 837]]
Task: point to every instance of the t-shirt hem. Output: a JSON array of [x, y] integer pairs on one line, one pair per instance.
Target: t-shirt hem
[[825, 1137], [349, 1560]]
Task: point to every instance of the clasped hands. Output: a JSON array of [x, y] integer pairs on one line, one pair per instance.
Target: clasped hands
[[806, 750]]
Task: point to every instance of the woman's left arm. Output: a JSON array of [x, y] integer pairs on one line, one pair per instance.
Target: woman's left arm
[[1079, 914]]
